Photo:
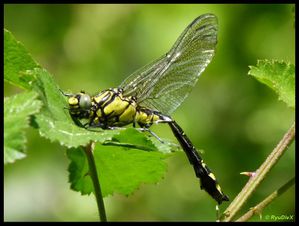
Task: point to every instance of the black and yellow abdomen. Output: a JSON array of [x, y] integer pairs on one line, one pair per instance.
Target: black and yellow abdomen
[[145, 117]]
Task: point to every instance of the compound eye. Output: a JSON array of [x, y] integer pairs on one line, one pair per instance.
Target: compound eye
[[85, 101]]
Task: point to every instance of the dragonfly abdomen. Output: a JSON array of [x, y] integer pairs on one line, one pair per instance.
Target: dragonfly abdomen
[[208, 180], [146, 117]]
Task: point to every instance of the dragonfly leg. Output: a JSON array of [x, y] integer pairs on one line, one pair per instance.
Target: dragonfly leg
[[114, 127], [66, 94], [144, 129]]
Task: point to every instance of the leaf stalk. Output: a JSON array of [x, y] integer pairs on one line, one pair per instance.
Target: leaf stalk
[[95, 180]]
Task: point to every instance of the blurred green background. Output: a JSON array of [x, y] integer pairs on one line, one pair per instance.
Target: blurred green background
[[236, 120]]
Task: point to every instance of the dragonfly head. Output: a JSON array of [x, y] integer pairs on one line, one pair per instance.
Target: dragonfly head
[[79, 104]]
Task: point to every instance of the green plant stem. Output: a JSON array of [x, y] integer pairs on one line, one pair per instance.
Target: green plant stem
[[259, 207], [264, 169], [96, 184]]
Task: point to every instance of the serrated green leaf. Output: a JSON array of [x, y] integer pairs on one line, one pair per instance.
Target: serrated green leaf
[[120, 169], [165, 147], [279, 76], [16, 61], [54, 121], [124, 170], [132, 138], [17, 110], [68, 134], [125, 159]]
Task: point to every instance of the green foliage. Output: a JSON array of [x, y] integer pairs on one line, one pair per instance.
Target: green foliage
[[17, 111], [227, 114], [16, 60], [279, 76], [54, 121], [125, 159], [122, 165]]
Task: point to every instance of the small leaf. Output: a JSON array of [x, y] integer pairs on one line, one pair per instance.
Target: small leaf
[[17, 110], [68, 134], [165, 147], [279, 76], [120, 169], [16, 60], [132, 138], [54, 121]]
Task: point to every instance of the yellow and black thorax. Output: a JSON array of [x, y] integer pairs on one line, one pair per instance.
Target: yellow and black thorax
[[110, 108]]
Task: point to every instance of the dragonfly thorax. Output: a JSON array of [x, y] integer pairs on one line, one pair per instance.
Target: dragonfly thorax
[[110, 108]]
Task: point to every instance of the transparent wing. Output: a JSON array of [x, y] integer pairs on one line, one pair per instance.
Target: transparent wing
[[165, 83]]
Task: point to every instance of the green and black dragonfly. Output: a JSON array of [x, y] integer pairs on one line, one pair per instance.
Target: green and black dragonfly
[[152, 93]]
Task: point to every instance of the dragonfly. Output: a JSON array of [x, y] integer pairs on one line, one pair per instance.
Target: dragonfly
[[152, 93]]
